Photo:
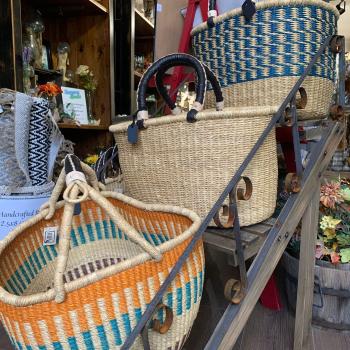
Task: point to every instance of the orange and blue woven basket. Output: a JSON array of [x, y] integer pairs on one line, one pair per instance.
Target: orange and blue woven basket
[[89, 290]]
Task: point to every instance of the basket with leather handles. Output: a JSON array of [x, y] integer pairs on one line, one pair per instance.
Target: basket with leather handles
[[260, 50], [80, 274], [187, 159], [108, 171]]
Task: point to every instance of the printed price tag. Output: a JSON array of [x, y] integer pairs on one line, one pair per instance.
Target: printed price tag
[[50, 235]]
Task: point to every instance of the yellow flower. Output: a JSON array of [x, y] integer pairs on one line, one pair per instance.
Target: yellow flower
[[328, 222], [91, 159]]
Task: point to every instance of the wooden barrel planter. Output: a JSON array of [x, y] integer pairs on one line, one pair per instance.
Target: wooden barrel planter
[[331, 307]]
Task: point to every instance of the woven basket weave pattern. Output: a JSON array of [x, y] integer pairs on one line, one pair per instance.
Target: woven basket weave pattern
[[190, 164], [278, 42], [99, 315]]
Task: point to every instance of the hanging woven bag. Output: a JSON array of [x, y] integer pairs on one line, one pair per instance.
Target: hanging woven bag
[[188, 159], [80, 274], [259, 59]]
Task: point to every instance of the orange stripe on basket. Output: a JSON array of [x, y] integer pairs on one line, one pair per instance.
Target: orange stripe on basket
[[76, 300]]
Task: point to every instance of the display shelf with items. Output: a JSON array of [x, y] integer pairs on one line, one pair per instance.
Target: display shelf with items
[[56, 39]]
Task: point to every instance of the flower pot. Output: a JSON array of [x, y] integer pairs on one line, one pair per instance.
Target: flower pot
[[331, 307]]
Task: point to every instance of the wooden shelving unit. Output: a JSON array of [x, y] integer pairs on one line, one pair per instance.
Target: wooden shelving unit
[[88, 27], [71, 7], [143, 26], [81, 127]]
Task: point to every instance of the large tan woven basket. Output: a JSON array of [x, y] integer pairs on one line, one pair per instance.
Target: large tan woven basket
[[259, 60], [88, 290], [189, 164]]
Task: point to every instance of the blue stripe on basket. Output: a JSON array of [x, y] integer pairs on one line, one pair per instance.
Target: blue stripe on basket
[[138, 314], [116, 333], [24, 274], [169, 300], [195, 280], [126, 323], [98, 230], [28, 347], [279, 27], [81, 234], [37, 261], [90, 233], [114, 231], [57, 346], [88, 341], [179, 301], [42, 347], [73, 343], [19, 345], [10, 288], [29, 269], [103, 338], [188, 295], [106, 229]]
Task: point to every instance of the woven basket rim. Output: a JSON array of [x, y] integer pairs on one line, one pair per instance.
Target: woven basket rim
[[265, 5], [28, 300], [208, 114]]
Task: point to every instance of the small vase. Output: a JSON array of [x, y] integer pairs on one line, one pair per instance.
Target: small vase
[[89, 95]]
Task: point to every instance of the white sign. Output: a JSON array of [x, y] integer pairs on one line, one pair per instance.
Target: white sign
[[74, 104], [16, 209]]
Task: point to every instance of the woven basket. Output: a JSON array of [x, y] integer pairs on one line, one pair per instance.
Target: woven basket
[[190, 164], [90, 290], [259, 61]]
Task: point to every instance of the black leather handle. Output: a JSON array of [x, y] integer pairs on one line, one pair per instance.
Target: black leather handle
[[248, 11], [176, 59], [72, 163], [210, 76]]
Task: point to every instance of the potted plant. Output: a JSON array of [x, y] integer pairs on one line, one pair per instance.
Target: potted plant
[[332, 258]]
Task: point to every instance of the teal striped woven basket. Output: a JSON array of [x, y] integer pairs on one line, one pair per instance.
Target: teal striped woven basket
[[259, 61]]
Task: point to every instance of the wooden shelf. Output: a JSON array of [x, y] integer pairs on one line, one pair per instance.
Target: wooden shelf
[[143, 26], [71, 7], [82, 127]]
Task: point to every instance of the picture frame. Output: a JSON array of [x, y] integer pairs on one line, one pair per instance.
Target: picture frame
[[46, 55], [74, 105]]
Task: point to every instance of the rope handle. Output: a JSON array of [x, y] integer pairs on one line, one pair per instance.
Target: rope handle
[[180, 59], [171, 104], [75, 175]]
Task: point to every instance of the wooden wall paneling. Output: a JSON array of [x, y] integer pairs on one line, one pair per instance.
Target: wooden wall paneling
[[88, 37], [11, 45]]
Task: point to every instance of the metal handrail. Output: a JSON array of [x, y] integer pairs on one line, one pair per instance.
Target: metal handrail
[[278, 117]]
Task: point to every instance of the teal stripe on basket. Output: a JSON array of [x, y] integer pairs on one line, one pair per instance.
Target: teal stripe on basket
[[19, 345], [42, 347], [114, 231], [188, 295], [195, 289], [47, 252], [126, 323], [116, 333], [103, 338], [73, 343], [88, 340], [81, 234], [98, 230], [106, 229], [24, 274], [179, 301], [90, 233], [73, 238], [57, 346], [37, 261]]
